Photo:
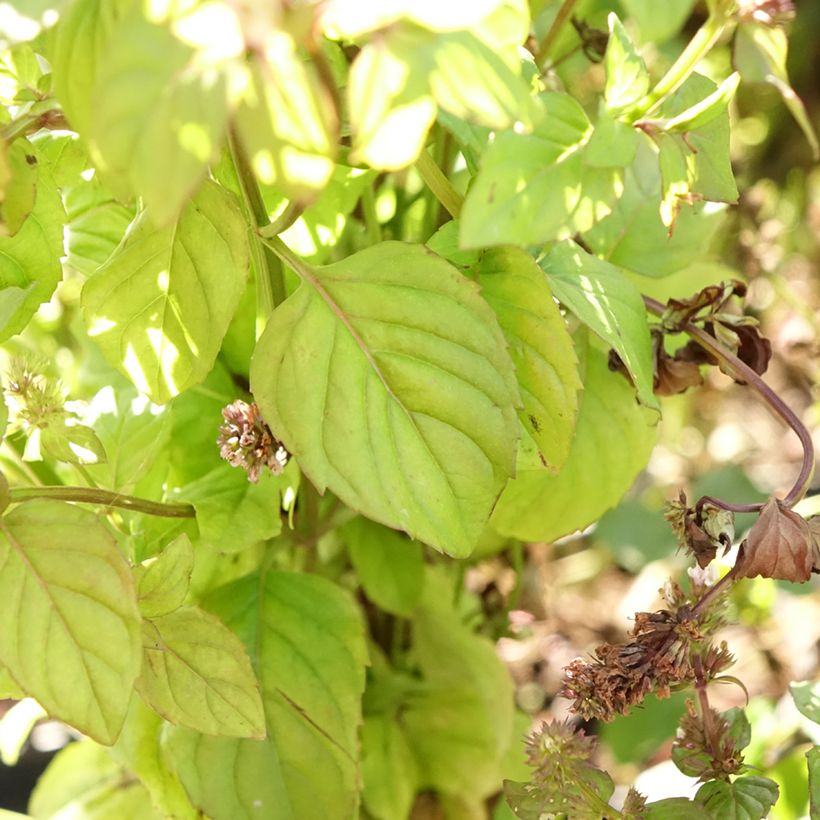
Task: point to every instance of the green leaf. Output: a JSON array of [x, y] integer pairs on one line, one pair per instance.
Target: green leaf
[[19, 170], [813, 761], [30, 260], [73, 443], [533, 188], [81, 37], [612, 434], [674, 808], [658, 22], [705, 147], [540, 347], [387, 377], [399, 80], [161, 304], [232, 513], [133, 431], [83, 781], [604, 299], [286, 121], [196, 673], [163, 583], [459, 723], [806, 696], [157, 123], [139, 749], [389, 772], [760, 54], [627, 80], [747, 798], [708, 109], [66, 589], [445, 243], [309, 648], [633, 236], [613, 143], [389, 566], [740, 730]]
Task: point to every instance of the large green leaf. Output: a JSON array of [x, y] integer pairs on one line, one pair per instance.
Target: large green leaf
[[613, 440], [30, 259], [747, 798], [389, 566], [658, 22], [286, 121], [399, 79], [308, 641], [813, 761], [536, 187], [540, 346], [459, 722], [160, 306], [196, 673], [71, 625], [604, 299], [387, 377]]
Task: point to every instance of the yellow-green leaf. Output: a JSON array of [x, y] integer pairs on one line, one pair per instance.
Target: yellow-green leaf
[[69, 610]]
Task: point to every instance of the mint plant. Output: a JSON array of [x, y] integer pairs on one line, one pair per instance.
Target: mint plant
[[347, 297]]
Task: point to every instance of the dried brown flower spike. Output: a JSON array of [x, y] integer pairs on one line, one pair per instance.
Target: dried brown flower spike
[[246, 441], [779, 545]]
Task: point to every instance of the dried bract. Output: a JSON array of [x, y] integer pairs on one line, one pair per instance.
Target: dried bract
[[246, 441], [779, 545]]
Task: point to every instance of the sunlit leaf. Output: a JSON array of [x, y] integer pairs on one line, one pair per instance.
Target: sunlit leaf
[[609, 304], [196, 673], [398, 80], [286, 122], [627, 79], [612, 433], [658, 22], [157, 122], [806, 696], [67, 602], [18, 189], [536, 187], [30, 260], [387, 377], [540, 346], [161, 304]]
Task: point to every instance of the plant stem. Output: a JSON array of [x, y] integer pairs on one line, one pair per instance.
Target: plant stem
[[742, 372], [543, 50], [697, 48], [275, 244], [93, 495], [705, 709], [289, 215], [441, 187], [270, 284], [371, 218], [713, 592]]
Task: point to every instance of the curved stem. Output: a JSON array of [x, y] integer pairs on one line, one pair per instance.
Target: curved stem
[[741, 371], [441, 187], [543, 50], [727, 505], [93, 495]]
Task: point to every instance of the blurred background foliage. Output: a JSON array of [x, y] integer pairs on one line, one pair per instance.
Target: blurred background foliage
[[548, 603]]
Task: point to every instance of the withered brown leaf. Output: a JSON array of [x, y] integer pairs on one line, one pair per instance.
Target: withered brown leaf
[[779, 545]]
